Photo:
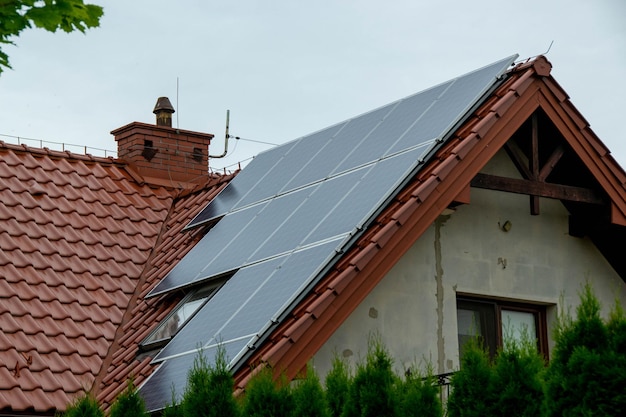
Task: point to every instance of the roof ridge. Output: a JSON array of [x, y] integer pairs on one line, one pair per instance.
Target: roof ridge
[[213, 180], [23, 148]]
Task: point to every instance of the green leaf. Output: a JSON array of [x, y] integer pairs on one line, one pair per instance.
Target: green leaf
[[51, 15]]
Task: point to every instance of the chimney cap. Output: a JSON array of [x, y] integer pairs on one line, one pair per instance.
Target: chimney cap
[[163, 105]]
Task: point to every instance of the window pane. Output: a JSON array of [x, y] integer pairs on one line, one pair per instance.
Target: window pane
[[179, 317], [476, 319], [517, 325], [469, 323]]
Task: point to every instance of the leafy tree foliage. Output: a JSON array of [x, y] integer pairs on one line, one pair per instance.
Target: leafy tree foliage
[[129, 403], [84, 406], [51, 15]]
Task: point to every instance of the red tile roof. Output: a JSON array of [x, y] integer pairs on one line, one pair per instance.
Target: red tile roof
[[78, 236], [143, 315]]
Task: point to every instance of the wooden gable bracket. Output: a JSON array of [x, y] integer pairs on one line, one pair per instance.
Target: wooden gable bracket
[[534, 176]]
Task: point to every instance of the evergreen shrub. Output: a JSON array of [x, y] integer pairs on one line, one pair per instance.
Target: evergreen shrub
[[587, 373], [338, 382], [129, 403], [309, 399], [265, 397], [84, 406], [372, 392]]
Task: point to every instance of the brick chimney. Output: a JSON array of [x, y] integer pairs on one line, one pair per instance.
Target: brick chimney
[[161, 154]]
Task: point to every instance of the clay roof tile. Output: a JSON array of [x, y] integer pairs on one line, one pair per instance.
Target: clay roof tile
[[75, 238]]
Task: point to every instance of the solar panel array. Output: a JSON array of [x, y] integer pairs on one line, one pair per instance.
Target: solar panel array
[[285, 218]]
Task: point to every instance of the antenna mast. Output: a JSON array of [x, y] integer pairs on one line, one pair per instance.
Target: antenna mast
[[225, 138]]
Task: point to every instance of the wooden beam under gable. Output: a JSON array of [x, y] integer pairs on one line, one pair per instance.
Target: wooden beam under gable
[[536, 188], [554, 159]]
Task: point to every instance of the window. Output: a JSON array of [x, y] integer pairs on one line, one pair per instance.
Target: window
[[496, 321], [178, 317]]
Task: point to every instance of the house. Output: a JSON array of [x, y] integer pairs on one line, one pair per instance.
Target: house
[[478, 205], [81, 239]]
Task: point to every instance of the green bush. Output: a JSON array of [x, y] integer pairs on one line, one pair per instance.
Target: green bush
[[516, 385], [266, 398], [129, 403], [470, 396], [84, 406], [586, 377], [419, 396], [587, 373], [209, 391], [172, 409], [337, 386], [372, 392], [195, 401], [308, 396]]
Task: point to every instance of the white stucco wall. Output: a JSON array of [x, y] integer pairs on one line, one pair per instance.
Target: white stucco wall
[[414, 306]]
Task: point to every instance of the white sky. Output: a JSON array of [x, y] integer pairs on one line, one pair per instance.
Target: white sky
[[288, 68]]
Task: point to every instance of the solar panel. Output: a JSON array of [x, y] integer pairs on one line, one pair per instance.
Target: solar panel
[[248, 180], [392, 128], [258, 181], [206, 324], [326, 209], [210, 251], [373, 188], [299, 156], [290, 210], [250, 299], [450, 107]]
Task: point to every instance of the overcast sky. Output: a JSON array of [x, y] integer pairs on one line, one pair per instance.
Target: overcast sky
[[288, 68]]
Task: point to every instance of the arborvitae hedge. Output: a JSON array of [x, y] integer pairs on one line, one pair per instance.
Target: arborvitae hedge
[[337, 386], [586, 377], [419, 396], [129, 403], [470, 395], [196, 401], [265, 397], [209, 390], [373, 390], [587, 374], [309, 399], [516, 385], [84, 406]]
